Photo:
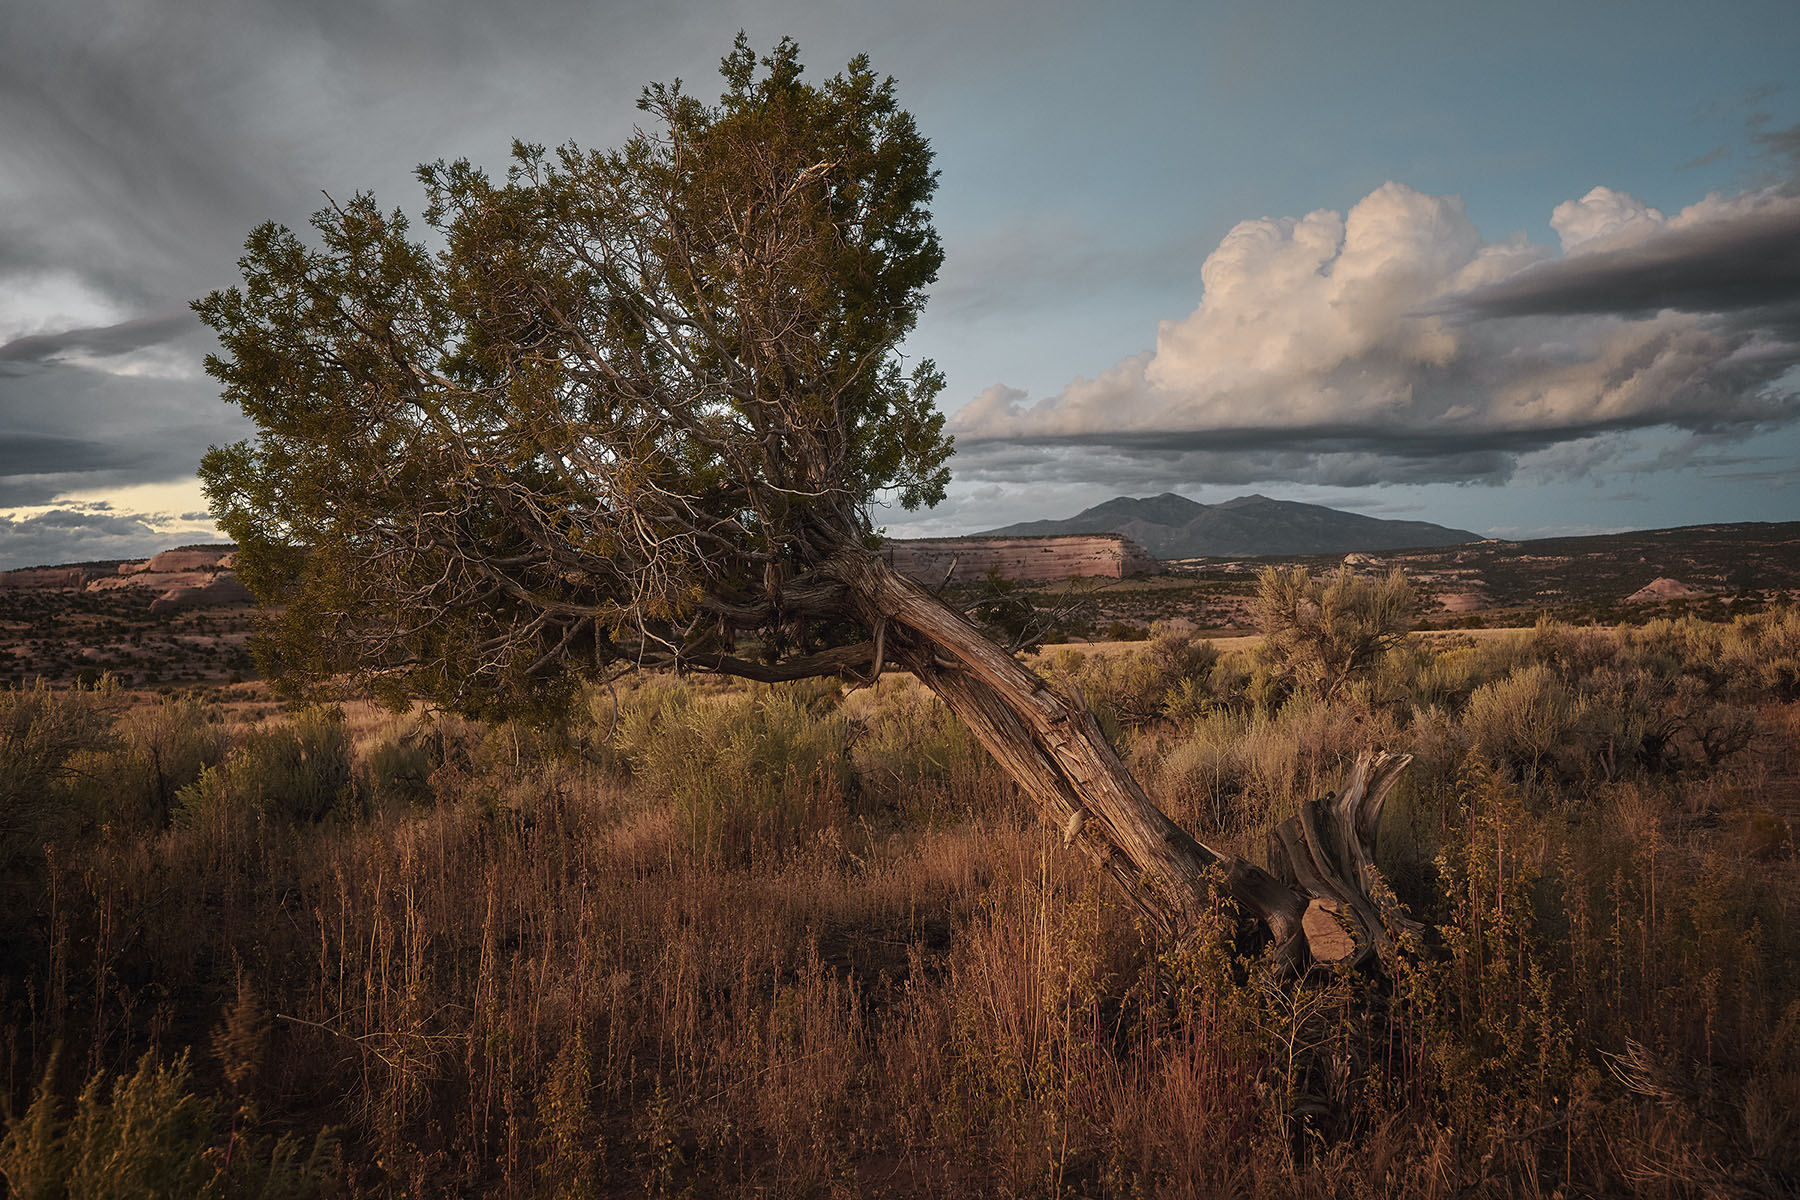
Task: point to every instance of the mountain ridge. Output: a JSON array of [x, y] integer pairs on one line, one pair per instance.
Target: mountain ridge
[[1172, 526]]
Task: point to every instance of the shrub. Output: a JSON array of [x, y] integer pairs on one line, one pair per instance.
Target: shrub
[[1577, 651], [1232, 772], [1766, 648], [1524, 719], [162, 748], [298, 771], [1129, 689], [911, 752], [42, 732], [147, 1137], [397, 769], [1323, 632], [742, 764]]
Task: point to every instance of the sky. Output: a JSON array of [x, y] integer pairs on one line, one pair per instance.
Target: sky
[[1525, 269]]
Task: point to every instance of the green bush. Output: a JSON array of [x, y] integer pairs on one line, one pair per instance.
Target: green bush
[[1129, 689], [298, 771], [1525, 719], [910, 752], [1321, 633], [1766, 649], [43, 734], [396, 771], [162, 748], [744, 765], [1446, 672], [1575, 650], [148, 1137], [1231, 772]]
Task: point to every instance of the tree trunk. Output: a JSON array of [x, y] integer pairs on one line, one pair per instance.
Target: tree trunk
[[1325, 901]]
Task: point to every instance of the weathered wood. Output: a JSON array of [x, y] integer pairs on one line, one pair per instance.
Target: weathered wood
[[1328, 850], [1053, 748]]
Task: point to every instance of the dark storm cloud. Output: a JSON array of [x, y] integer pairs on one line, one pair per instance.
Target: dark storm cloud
[[1747, 263], [68, 427], [141, 142], [26, 453], [101, 341]]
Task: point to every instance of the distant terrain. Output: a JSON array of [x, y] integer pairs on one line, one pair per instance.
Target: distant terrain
[[181, 618], [1171, 526], [1709, 570]]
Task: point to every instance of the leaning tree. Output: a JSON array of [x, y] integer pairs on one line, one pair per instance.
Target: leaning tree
[[633, 408]]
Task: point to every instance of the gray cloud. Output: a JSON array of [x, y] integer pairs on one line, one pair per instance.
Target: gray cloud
[[102, 341], [1733, 263], [141, 142], [1781, 143], [74, 535], [26, 453], [70, 426]]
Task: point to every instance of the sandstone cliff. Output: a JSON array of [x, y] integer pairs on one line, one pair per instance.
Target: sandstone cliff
[[1021, 559]]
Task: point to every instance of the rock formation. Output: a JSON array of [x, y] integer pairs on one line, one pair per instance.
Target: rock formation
[[1665, 588], [1020, 559], [47, 578], [188, 577]]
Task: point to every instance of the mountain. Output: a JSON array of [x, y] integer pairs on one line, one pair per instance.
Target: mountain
[[1171, 526]]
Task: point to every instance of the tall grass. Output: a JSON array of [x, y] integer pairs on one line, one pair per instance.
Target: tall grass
[[717, 940]]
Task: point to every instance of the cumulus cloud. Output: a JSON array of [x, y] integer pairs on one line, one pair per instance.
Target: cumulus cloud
[[1395, 344]]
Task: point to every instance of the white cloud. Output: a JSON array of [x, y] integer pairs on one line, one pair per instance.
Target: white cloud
[[1603, 216], [1335, 346]]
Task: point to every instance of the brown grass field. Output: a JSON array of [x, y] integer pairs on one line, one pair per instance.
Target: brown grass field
[[715, 940]]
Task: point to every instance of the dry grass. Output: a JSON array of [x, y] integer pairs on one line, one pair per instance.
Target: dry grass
[[544, 970]]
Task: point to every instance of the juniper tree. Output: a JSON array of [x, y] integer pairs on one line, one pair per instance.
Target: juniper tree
[[635, 408]]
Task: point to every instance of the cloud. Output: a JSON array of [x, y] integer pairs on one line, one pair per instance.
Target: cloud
[[1394, 344], [1719, 256], [1780, 143], [107, 341], [77, 534], [71, 425]]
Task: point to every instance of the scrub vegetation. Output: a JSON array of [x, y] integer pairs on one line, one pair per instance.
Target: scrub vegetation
[[707, 937]]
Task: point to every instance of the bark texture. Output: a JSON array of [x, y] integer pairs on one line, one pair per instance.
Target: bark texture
[[1053, 748]]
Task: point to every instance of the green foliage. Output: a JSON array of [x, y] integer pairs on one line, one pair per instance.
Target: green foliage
[[633, 395], [911, 753], [298, 770], [1525, 718], [1766, 648], [1004, 608], [42, 732], [1127, 690], [744, 764], [161, 749], [1229, 772], [1323, 632], [396, 771], [147, 1136]]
